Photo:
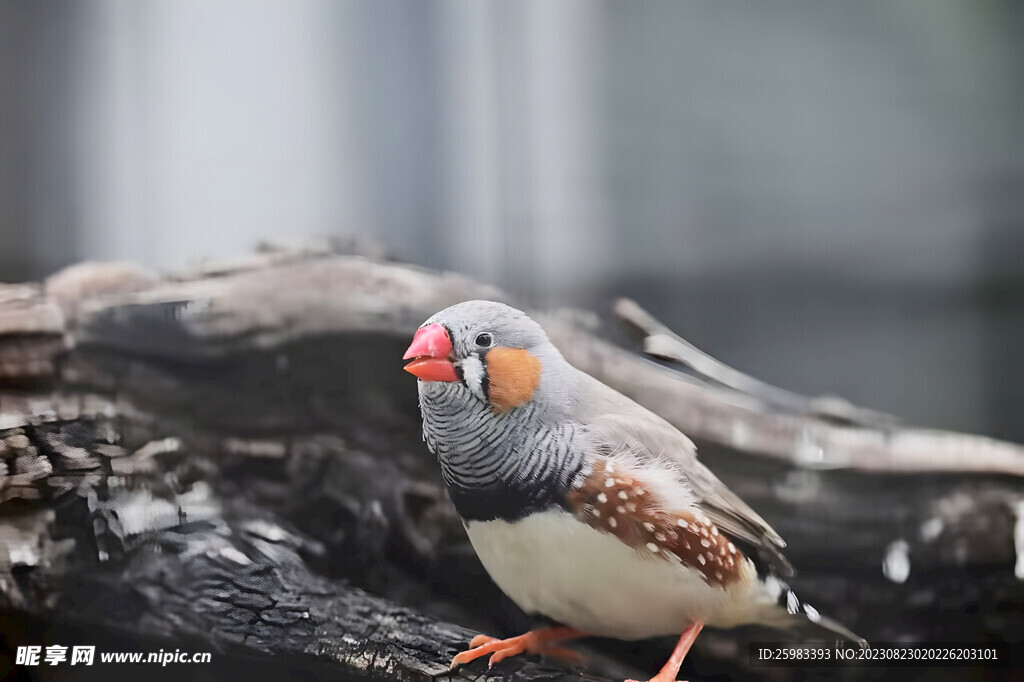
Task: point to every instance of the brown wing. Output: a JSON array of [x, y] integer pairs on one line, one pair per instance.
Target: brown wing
[[618, 500], [623, 423]]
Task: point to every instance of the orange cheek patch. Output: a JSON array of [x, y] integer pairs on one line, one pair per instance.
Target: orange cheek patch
[[513, 375]]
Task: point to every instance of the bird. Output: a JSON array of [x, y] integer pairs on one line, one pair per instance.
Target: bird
[[584, 507]]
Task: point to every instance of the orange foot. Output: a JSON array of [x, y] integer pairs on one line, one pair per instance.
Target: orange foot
[[533, 642], [671, 669]]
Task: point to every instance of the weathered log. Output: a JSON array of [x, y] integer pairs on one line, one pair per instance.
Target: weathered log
[[266, 397], [249, 307]]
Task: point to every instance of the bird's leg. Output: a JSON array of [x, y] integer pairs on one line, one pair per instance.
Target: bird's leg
[[671, 668], [533, 642]]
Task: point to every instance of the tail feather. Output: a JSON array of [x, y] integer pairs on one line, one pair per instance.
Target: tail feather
[[785, 611]]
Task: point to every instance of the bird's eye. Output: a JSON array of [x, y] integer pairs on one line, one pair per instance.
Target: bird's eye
[[484, 340]]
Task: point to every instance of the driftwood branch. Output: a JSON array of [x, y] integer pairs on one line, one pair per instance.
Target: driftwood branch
[[744, 414], [662, 342]]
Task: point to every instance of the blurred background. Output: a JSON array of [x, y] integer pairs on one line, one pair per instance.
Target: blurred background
[[829, 196]]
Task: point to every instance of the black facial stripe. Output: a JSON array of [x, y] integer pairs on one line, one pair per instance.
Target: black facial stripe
[[458, 366], [485, 380]]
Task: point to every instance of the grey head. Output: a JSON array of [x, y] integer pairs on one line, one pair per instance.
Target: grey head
[[496, 398], [505, 359]]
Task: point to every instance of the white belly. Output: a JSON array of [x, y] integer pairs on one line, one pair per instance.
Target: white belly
[[554, 565]]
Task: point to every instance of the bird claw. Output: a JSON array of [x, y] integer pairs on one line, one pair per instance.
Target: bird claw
[[481, 645], [500, 649], [501, 654], [480, 640], [560, 652]]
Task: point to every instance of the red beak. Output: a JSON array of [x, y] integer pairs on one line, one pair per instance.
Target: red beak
[[431, 347]]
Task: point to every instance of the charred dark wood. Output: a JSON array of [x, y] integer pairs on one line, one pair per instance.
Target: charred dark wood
[[167, 539]]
